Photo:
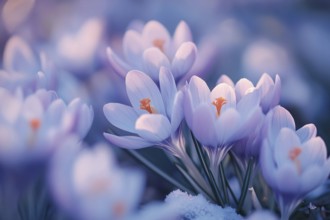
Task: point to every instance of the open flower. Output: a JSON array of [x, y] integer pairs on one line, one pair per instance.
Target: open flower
[[217, 119], [155, 114], [31, 127], [153, 48], [88, 184], [289, 159], [269, 97]]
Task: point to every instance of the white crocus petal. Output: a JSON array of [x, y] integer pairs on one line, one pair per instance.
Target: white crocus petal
[[278, 118], [11, 110], [167, 88], [182, 34], [184, 59], [226, 125], [177, 112], [140, 86], [284, 184], [55, 111], [314, 151], [18, 56], [154, 30], [121, 116], [225, 79], [199, 91], [318, 175], [225, 91], [117, 63], [286, 141], [306, 132], [33, 108], [153, 60], [204, 118], [153, 127], [267, 164], [133, 47], [242, 87], [128, 142]]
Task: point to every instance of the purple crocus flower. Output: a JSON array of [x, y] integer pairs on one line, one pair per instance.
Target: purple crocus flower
[[153, 48], [269, 97], [155, 114], [289, 159], [217, 118], [88, 184], [32, 127]]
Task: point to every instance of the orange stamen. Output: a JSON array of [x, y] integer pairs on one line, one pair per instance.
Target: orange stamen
[[145, 105], [35, 124], [119, 209], [218, 103], [293, 155], [159, 43]]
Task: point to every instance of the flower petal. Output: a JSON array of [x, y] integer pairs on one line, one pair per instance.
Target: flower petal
[[227, 92], [287, 179], [267, 164], [200, 92], [177, 112], [314, 152], [153, 60], [129, 142], [167, 88], [203, 125], [140, 86], [306, 132], [182, 34], [184, 59], [153, 30], [121, 116], [319, 175], [120, 66], [153, 127], [225, 79], [242, 87], [227, 125], [133, 47]]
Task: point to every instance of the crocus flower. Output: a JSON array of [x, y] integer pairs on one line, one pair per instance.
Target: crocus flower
[[269, 97], [292, 162], [32, 127], [155, 114], [87, 183], [153, 48], [217, 119]]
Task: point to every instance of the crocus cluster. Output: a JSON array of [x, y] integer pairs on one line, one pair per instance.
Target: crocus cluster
[[237, 127]]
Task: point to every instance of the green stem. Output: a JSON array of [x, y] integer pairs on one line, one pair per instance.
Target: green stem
[[223, 181], [155, 169], [245, 186], [208, 172], [231, 192]]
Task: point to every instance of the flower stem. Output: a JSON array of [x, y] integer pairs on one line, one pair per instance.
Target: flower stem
[[224, 185], [208, 172], [155, 169], [245, 186]]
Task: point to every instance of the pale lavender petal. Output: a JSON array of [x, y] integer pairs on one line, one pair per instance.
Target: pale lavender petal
[[188, 106], [225, 79], [117, 63], [286, 141], [200, 92], [32, 108], [153, 127], [314, 152], [153, 60], [129, 142], [55, 111], [154, 30], [267, 164], [177, 112], [306, 132], [167, 88], [248, 103], [225, 91], [133, 47], [287, 179], [203, 125], [227, 126], [313, 177], [182, 34], [121, 116], [184, 59], [140, 86], [242, 87]]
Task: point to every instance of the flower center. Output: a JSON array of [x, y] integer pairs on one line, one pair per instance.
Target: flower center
[[218, 103], [145, 105], [293, 155], [35, 124], [159, 43]]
